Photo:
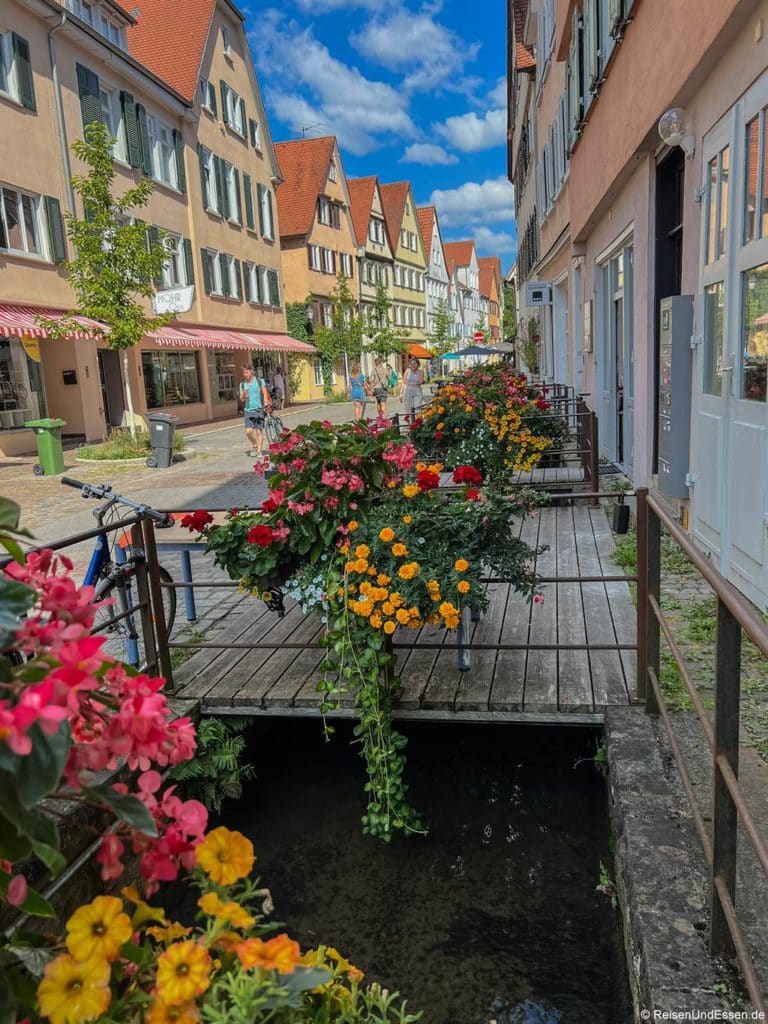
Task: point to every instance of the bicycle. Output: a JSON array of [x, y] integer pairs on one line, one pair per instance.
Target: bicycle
[[111, 576], [273, 426]]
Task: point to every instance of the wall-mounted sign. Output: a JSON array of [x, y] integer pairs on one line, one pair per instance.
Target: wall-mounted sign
[[538, 293], [173, 300], [32, 347], [69, 376]]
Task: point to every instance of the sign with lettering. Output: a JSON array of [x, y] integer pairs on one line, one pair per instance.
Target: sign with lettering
[[32, 347], [173, 300]]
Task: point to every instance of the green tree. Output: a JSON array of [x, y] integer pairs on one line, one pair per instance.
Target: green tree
[[343, 338], [482, 325], [509, 322], [116, 261], [440, 337], [385, 338], [299, 327]]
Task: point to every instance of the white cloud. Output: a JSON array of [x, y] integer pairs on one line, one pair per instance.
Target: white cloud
[[497, 97], [492, 243], [492, 200], [427, 153], [471, 133], [431, 55], [320, 6], [354, 108]]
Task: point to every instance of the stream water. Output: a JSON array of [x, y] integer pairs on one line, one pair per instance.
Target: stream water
[[495, 915]]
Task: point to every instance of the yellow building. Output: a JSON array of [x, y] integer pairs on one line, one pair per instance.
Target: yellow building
[[317, 240], [409, 294], [376, 263], [490, 288]]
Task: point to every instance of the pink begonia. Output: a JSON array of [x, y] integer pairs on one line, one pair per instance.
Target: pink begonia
[[281, 533], [339, 479], [17, 890], [109, 857], [538, 599], [301, 508], [401, 455]]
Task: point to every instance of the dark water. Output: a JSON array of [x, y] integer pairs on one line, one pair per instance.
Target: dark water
[[494, 916]]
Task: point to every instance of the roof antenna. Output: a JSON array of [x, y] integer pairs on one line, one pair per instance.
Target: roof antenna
[[309, 127]]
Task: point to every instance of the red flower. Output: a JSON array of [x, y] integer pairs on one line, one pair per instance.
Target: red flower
[[427, 480], [261, 535], [270, 505], [416, 423], [471, 495], [541, 404], [439, 435], [467, 475], [195, 522]]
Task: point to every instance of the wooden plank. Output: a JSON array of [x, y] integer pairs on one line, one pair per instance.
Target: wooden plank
[[607, 673], [475, 685], [508, 687], [296, 627], [574, 681], [415, 666], [291, 669], [541, 670], [623, 610]]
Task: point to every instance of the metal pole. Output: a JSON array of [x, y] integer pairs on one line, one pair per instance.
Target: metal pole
[[642, 590], [143, 599], [594, 461], [653, 589], [725, 817], [158, 608]]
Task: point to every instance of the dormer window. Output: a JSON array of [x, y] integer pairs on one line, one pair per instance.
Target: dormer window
[[332, 172]]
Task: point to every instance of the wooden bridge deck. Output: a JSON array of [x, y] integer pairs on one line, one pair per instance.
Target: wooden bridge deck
[[525, 682]]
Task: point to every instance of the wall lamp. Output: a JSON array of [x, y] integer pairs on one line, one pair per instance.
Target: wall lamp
[[675, 130]]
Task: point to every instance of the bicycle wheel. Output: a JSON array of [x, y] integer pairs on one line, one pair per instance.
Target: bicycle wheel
[[274, 428], [122, 627]]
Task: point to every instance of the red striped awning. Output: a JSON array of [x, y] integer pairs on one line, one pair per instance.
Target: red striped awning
[[218, 338], [284, 343], [21, 322]]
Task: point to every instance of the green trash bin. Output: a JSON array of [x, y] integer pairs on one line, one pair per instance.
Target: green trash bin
[[49, 447]]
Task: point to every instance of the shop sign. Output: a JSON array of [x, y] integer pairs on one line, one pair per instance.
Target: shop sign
[[32, 347], [173, 300]]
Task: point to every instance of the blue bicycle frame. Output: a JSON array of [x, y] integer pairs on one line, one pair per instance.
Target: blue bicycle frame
[[99, 559]]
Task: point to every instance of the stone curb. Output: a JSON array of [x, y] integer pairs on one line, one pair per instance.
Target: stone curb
[[181, 457]]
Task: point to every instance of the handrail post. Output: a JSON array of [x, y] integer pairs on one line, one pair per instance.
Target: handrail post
[[594, 460], [724, 813], [652, 644], [641, 513], [143, 599], [158, 608]]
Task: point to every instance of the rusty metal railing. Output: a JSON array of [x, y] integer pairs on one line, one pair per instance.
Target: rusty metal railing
[[735, 616]]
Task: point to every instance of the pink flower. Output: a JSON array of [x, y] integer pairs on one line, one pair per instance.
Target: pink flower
[[108, 855], [538, 599], [17, 890], [401, 454]]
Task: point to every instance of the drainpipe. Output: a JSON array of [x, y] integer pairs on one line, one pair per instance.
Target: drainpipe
[[60, 111]]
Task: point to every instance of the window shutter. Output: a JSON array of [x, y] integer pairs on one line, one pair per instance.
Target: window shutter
[[90, 98], [274, 288], [207, 271], [128, 106], [270, 214], [248, 193], [189, 263], [221, 193], [226, 290], [203, 176], [178, 145], [239, 278], [243, 119], [238, 197], [260, 194], [224, 105], [153, 240], [57, 237], [257, 273], [24, 72], [614, 17], [146, 155], [212, 102], [253, 130]]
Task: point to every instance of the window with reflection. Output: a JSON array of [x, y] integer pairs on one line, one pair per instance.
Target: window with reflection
[[714, 308], [751, 178], [718, 170], [170, 378], [755, 334]]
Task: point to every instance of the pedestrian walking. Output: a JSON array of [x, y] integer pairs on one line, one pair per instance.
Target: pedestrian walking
[[278, 387], [410, 391], [357, 389], [254, 398], [379, 382]]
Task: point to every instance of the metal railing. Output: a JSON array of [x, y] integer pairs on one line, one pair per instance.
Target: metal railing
[[735, 616]]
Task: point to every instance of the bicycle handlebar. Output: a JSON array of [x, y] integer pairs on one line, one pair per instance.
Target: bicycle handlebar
[[102, 491]]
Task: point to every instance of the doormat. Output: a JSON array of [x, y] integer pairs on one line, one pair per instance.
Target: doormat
[[609, 470]]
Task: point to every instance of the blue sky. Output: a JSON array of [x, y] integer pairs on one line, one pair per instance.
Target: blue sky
[[413, 89]]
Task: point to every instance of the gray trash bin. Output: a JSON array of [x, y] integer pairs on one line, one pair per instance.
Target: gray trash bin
[[162, 432]]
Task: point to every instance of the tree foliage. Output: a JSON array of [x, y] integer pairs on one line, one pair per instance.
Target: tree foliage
[[299, 327], [343, 338], [509, 322], [440, 337], [385, 338]]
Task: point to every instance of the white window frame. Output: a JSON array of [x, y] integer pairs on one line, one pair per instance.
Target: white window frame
[[346, 264], [207, 90], [228, 268], [267, 213], [226, 41], [37, 220], [376, 230], [324, 211], [111, 29], [329, 261], [175, 247], [216, 272], [315, 261], [233, 198], [234, 112], [210, 197], [156, 129], [7, 58], [111, 108], [332, 171]]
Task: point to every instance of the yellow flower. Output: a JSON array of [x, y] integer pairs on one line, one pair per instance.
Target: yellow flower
[[228, 911], [389, 627], [395, 599], [365, 587], [452, 621], [361, 565], [436, 467], [343, 965], [420, 467], [352, 525], [433, 619], [362, 551], [407, 519], [463, 587], [161, 1013], [169, 933], [225, 856], [446, 608], [461, 565], [73, 991], [376, 621], [408, 570], [98, 930], [439, 426], [402, 616], [143, 912], [382, 579], [364, 608], [183, 972], [433, 585], [386, 534], [391, 483], [399, 550], [410, 490], [279, 954], [388, 608]]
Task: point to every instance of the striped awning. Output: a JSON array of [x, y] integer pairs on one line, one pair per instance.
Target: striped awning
[[218, 338], [21, 322], [284, 343]]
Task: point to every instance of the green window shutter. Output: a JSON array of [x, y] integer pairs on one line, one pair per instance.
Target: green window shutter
[[205, 258], [260, 193], [178, 145], [260, 285], [212, 99], [226, 291], [24, 72], [247, 295], [274, 288], [243, 119], [203, 182], [128, 105], [224, 109], [189, 263], [271, 217], [57, 236], [153, 241], [248, 193], [239, 278], [222, 205], [90, 96], [239, 211], [253, 131], [141, 121]]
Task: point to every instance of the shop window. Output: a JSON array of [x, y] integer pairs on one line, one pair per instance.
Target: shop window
[[21, 387], [755, 334], [226, 379], [171, 378]]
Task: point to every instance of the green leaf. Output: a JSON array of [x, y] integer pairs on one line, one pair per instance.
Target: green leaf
[[40, 771], [33, 904], [9, 514], [125, 807], [15, 601]]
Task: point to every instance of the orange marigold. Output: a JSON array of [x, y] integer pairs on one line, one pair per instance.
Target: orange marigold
[[280, 954]]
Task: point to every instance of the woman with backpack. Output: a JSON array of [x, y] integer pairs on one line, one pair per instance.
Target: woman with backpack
[[380, 384], [410, 392]]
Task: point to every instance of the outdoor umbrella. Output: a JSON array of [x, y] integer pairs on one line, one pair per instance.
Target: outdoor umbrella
[[475, 350]]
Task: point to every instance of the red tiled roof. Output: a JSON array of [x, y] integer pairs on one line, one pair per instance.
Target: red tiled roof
[[361, 191], [490, 267], [459, 252], [523, 58], [426, 219], [393, 199], [304, 164], [171, 42]]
